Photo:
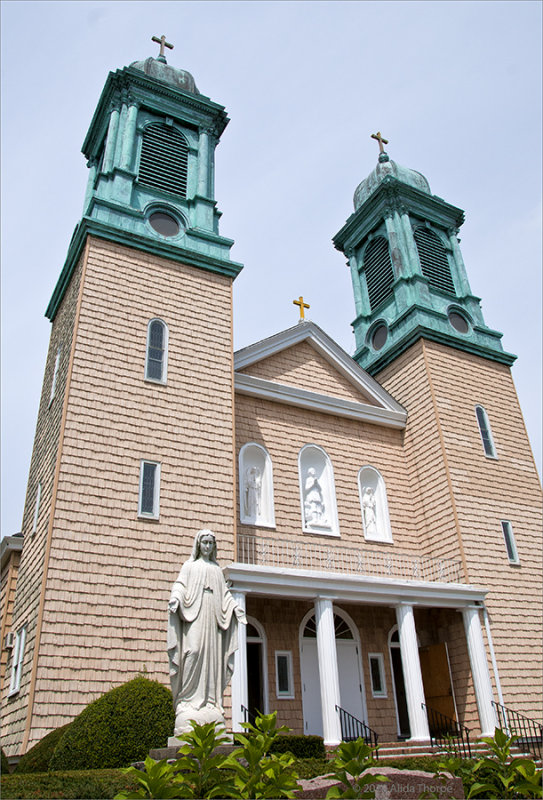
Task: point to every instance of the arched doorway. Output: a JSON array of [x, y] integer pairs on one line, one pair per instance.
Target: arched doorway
[[257, 673], [351, 682]]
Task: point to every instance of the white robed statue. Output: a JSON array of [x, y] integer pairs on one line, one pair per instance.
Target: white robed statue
[[202, 637]]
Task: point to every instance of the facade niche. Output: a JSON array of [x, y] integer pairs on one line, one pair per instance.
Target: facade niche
[[374, 505], [256, 486], [317, 491]]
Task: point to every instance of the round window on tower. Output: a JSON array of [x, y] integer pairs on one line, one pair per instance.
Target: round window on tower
[[379, 336], [458, 321], [163, 223]]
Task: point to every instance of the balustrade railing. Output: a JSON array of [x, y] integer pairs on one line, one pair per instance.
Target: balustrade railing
[[353, 728], [529, 732], [447, 733], [348, 561]]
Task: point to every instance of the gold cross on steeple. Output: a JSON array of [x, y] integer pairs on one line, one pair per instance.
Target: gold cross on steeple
[[163, 43], [302, 306], [380, 140]]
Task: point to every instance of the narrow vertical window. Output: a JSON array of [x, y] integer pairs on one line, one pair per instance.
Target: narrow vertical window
[[17, 655], [510, 544], [55, 375], [486, 432], [283, 674], [36, 509], [157, 351], [377, 674], [149, 489]]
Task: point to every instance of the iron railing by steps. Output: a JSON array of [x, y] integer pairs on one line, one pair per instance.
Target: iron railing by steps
[[280, 553], [247, 715], [529, 732], [447, 733], [353, 728]]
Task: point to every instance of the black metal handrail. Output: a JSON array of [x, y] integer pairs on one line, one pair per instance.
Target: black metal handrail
[[353, 728], [447, 733], [529, 732], [248, 716]]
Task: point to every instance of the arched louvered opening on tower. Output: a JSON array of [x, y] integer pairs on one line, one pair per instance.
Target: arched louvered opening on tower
[[433, 260], [164, 159], [379, 272]]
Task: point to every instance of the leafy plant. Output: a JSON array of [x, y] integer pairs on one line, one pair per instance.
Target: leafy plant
[[498, 775], [349, 768], [260, 773], [504, 776], [250, 771]]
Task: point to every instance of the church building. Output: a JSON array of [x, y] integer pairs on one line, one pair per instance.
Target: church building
[[378, 516]]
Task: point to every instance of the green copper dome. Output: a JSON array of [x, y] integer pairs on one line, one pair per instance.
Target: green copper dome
[[384, 169], [159, 68]]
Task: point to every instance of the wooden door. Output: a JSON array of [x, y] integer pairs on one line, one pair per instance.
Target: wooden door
[[436, 677]]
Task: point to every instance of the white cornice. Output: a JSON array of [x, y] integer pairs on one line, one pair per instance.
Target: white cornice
[[291, 395], [308, 584], [331, 352]]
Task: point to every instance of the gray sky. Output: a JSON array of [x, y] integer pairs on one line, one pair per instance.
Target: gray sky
[[454, 86]]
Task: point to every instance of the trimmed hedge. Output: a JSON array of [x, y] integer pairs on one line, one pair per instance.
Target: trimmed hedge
[[92, 785], [4, 765], [38, 757], [300, 746], [118, 728]]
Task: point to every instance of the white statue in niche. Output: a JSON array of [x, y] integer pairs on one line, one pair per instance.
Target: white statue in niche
[[314, 507], [202, 637], [253, 492], [369, 510]]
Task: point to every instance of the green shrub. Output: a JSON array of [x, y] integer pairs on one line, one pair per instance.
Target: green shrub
[[118, 728], [300, 746], [307, 768], [38, 757], [92, 785], [5, 763]]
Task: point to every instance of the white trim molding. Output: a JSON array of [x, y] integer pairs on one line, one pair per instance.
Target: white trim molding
[[309, 584], [293, 396]]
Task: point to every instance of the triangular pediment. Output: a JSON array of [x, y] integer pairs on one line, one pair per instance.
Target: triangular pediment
[[304, 366]]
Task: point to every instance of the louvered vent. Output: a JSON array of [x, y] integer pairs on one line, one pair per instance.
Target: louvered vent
[[433, 260], [378, 269], [163, 163]]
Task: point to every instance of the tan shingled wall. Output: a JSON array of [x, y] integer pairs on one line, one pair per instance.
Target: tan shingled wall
[[42, 468], [302, 366], [485, 491], [110, 573]]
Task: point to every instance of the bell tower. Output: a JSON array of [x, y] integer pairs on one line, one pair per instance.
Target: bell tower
[[408, 275], [134, 444]]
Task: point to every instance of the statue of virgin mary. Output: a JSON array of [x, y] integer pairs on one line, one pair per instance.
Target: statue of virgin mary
[[202, 637]]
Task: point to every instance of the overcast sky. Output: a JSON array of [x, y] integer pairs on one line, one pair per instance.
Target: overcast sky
[[454, 86]]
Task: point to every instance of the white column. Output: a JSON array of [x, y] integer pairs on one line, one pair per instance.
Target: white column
[[479, 670], [328, 670], [240, 694], [414, 690]]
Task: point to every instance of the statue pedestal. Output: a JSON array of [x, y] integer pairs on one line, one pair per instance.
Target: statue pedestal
[[170, 752]]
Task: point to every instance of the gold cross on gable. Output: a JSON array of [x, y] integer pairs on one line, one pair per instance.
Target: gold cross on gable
[[380, 140], [163, 43], [302, 306]]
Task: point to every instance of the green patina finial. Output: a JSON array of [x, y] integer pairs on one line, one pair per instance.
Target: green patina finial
[[163, 43], [382, 155]]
